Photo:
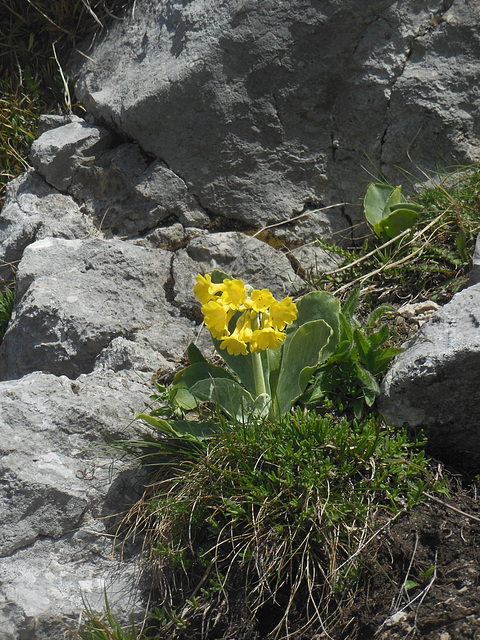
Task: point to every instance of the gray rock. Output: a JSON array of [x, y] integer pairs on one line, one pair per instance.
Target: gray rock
[[62, 488], [74, 297], [59, 153], [34, 210], [238, 255], [474, 276], [129, 194], [49, 121], [171, 237], [267, 109], [313, 260], [434, 385]]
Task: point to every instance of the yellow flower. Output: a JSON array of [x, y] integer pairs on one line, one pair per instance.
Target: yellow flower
[[267, 338], [216, 317], [205, 289], [234, 294], [282, 313], [234, 346], [260, 300], [244, 325]]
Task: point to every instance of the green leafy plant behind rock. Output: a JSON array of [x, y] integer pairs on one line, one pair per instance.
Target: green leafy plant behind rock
[[387, 212]]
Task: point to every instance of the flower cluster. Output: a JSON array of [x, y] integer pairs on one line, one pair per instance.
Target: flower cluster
[[262, 318]]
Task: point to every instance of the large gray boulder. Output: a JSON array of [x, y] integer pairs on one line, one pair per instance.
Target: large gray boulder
[[75, 297], [434, 385], [266, 109], [61, 490]]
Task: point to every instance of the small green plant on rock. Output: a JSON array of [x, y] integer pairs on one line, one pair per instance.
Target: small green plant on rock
[[430, 259], [387, 211], [7, 299]]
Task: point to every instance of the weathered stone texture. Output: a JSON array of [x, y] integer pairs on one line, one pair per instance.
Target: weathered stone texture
[[265, 108]]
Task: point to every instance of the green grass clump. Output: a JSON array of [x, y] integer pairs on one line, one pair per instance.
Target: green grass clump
[[279, 512], [36, 38], [7, 299]]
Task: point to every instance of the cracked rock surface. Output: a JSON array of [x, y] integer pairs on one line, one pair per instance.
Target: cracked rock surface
[[267, 109]]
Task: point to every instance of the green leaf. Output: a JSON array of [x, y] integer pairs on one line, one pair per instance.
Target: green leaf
[[194, 354], [377, 338], [378, 313], [350, 305], [186, 379], [242, 366], [364, 348], [418, 208], [377, 199], [300, 359], [185, 429], [227, 394], [318, 305], [183, 399], [396, 222], [218, 276], [370, 388]]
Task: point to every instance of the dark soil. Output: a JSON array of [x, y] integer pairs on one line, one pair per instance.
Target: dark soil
[[436, 547]]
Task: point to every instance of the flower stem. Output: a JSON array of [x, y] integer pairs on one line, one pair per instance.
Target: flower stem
[[258, 374]]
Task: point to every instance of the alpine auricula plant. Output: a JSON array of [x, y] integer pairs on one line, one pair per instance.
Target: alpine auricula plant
[[275, 354], [270, 354], [259, 320]]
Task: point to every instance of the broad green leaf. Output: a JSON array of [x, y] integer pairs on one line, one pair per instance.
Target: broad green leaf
[[274, 357], [183, 399], [187, 377], [418, 208], [394, 199], [228, 394], [218, 276], [189, 429], [301, 358], [318, 305], [242, 366], [375, 202], [396, 222], [194, 354]]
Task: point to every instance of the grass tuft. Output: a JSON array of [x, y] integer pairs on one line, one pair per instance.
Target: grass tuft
[[279, 512], [36, 37], [7, 299]]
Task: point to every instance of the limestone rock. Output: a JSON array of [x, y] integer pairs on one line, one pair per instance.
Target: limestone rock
[[58, 153], [34, 210], [74, 297], [266, 108], [60, 488], [434, 385], [119, 187]]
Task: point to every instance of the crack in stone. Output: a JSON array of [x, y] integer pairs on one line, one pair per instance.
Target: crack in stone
[[423, 30]]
